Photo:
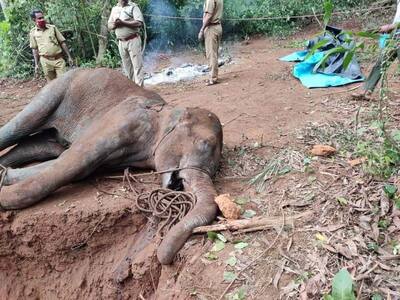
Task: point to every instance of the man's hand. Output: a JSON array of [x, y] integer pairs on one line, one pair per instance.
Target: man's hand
[[118, 23], [201, 35], [37, 71], [70, 62], [386, 28]]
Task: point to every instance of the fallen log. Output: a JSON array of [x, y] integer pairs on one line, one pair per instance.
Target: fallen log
[[259, 223]]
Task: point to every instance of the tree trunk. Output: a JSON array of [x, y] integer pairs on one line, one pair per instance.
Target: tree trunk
[[103, 40]]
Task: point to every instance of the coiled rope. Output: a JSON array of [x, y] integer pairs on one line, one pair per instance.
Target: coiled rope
[[166, 206]]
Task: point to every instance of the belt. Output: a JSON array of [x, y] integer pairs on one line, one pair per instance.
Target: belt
[[53, 57], [213, 24], [130, 37]]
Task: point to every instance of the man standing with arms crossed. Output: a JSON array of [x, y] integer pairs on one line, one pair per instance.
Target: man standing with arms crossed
[[47, 44], [126, 19], [211, 32], [385, 56]]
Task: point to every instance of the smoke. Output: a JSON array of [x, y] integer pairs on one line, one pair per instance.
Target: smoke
[[161, 34], [166, 34]]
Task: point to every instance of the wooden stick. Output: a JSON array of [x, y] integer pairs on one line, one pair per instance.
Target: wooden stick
[[259, 223]]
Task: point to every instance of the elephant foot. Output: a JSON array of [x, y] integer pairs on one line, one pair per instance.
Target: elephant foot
[[10, 199], [5, 203]]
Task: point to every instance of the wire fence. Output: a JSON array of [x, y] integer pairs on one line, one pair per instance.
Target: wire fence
[[265, 18]]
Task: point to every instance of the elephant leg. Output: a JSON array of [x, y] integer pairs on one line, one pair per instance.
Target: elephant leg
[[38, 147], [14, 176], [34, 115], [116, 129]]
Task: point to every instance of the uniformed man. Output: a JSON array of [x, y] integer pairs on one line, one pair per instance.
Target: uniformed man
[[386, 56], [126, 19], [47, 44], [211, 32]]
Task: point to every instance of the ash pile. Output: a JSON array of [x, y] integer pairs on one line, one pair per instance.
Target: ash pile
[[183, 72]]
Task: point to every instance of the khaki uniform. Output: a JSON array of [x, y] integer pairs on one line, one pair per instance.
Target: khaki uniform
[[130, 44], [48, 43], [213, 34]]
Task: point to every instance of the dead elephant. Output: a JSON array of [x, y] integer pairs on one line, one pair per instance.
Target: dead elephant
[[88, 119]]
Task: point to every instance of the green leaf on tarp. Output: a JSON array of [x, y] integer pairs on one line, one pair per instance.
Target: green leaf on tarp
[[316, 47], [218, 246], [348, 57], [327, 54], [342, 286], [368, 34], [229, 276]]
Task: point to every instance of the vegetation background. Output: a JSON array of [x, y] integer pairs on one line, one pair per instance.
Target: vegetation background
[[83, 22]]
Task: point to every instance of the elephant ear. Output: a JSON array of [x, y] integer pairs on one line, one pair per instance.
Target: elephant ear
[[203, 213]]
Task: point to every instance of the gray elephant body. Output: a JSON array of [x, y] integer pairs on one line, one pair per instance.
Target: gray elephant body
[[88, 119]]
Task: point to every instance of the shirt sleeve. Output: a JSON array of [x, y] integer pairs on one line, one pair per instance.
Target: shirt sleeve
[[137, 14], [111, 19], [32, 41], [59, 36], [209, 6]]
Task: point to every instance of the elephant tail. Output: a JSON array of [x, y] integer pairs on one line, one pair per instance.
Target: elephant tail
[[203, 213]]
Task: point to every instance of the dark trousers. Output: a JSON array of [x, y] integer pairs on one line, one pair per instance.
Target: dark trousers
[[373, 78]]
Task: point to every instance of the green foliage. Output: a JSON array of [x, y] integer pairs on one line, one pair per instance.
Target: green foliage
[[342, 287], [328, 10], [383, 158], [376, 297], [392, 193], [238, 295], [4, 45], [79, 21], [229, 276], [390, 190]]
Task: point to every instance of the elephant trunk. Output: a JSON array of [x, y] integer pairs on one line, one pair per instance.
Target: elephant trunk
[[203, 213]]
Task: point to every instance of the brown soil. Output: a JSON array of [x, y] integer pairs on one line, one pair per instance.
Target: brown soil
[[70, 245]]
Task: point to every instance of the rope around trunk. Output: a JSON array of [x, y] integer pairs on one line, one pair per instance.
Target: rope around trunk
[[166, 206]]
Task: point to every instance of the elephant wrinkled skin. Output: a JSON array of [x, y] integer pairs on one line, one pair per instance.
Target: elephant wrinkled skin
[[88, 119]]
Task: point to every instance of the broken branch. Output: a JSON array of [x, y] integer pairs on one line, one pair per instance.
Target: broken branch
[[259, 223]]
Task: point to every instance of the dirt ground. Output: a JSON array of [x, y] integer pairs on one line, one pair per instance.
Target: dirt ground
[[70, 245]]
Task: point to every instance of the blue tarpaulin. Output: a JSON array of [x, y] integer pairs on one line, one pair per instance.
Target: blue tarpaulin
[[304, 70]]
